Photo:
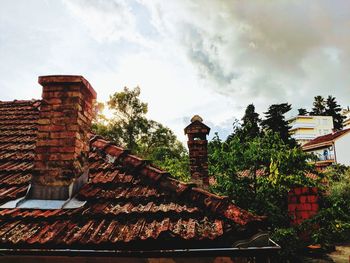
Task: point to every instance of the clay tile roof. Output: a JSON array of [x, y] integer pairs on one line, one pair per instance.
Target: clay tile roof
[[128, 200], [324, 139]]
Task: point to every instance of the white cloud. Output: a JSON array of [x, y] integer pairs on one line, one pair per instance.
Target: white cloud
[[108, 20], [160, 66], [262, 52], [189, 57], [105, 20]]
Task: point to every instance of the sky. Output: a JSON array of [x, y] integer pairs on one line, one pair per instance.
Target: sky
[[211, 58]]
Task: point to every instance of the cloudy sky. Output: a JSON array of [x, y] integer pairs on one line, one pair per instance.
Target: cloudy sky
[[210, 58]]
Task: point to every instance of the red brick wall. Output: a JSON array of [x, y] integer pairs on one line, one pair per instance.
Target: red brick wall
[[302, 204], [64, 123], [198, 152]]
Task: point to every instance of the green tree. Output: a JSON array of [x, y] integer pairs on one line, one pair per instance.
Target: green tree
[[251, 121], [302, 112], [275, 121], [333, 109], [333, 218], [99, 122], [129, 123], [159, 143], [236, 130], [258, 173], [319, 106], [130, 128], [177, 167]]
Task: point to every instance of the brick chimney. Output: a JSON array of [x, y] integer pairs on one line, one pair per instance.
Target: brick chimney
[[62, 147], [197, 143]]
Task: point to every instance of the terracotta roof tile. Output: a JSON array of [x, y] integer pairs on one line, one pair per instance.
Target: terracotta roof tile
[[328, 138], [127, 199]]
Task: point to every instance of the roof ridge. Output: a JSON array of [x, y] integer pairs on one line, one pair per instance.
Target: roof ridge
[[215, 203], [20, 101]]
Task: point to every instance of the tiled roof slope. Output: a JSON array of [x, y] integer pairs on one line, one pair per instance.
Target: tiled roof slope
[[128, 200], [18, 121], [328, 138]]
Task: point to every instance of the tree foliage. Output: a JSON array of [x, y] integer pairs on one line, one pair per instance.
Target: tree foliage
[[333, 219], [251, 122], [319, 106], [130, 128], [275, 121], [129, 124], [333, 109], [258, 172], [302, 112], [328, 107]]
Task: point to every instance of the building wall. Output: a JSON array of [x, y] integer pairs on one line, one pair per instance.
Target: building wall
[[342, 149], [305, 131], [346, 121], [324, 125], [324, 154], [306, 128], [306, 119]]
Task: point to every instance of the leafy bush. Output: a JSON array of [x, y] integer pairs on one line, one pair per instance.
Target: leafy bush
[[288, 239], [257, 173], [333, 219], [336, 172], [177, 167]]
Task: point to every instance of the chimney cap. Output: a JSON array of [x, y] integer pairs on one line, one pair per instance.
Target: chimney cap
[[196, 118], [67, 79], [197, 126]]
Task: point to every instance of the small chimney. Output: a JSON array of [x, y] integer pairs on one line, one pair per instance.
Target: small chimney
[[62, 146], [197, 143]]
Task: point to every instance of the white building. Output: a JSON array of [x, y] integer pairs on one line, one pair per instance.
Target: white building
[[346, 121], [305, 128], [331, 148]]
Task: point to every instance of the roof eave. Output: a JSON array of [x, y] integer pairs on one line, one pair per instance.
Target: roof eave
[[317, 145], [270, 249]]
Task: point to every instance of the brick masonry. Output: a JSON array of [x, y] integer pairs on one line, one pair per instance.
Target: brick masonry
[[198, 151], [302, 204], [64, 124]]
